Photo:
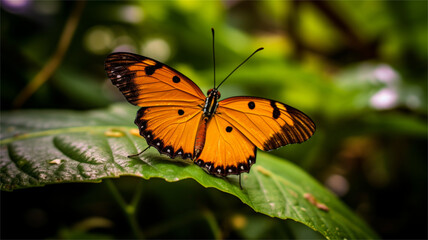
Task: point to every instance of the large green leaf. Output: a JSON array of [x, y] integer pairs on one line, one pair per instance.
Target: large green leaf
[[55, 146]]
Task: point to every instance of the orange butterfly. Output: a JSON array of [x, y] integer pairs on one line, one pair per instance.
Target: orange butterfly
[[180, 121]]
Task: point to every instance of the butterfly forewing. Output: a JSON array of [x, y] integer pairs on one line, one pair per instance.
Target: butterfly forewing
[[146, 82], [268, 124]]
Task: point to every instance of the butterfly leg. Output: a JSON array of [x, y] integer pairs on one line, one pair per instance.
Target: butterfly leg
[[138, 154], [240, 186]]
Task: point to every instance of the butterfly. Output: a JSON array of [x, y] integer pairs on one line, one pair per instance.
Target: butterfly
[[180, 121]]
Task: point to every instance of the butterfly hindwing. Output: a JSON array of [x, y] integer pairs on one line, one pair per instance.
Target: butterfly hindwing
[[170, 129], [227, 150], [268, 124], [146, 82]]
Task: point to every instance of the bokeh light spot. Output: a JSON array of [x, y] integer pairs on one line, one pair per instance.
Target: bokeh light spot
[[386, 98], [124, 43], [15, 3], [131, 14], [15, 6], [98, 39], [125, 48], [384, 73], [156, 48], [239, 221], [338, 184], [413, 101]]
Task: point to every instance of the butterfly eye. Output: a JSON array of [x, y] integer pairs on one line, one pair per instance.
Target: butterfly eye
[[209, 91]]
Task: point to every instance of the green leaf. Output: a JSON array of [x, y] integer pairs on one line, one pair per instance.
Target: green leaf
[[40, 147]]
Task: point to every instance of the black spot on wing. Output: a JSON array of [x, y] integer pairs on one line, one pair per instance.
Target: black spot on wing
[[150, 70], [219, 171], [176, 79], [179, 152], [199, 162], [251, 105], [275, 112], [231, 170], [169, 150]]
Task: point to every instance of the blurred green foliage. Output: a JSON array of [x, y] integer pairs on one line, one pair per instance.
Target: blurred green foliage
[[358, 68]]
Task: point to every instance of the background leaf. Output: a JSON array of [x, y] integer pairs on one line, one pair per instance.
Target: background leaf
[[90, 146]]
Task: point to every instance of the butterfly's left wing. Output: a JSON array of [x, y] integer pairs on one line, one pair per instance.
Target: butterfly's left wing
[[268, 124], [171, 104]]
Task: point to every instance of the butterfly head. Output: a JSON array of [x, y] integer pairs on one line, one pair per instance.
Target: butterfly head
[[214, 93]]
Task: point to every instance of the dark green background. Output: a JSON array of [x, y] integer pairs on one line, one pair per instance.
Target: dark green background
[[332, 60]]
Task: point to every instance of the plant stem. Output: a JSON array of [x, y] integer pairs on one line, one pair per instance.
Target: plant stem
[[137, 195], [55, 60], [212, 222], [128, 209]]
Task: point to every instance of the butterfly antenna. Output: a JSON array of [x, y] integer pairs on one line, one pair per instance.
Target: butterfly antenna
[[212, 30], [239, 66]]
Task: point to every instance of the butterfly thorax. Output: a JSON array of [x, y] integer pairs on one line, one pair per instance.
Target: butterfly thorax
[[211, 103]]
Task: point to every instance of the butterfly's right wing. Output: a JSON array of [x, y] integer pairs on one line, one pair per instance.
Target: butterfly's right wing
[[171, 103], [243, 123], [268, 124]]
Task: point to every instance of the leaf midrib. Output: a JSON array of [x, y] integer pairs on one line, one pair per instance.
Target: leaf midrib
[[57, 131]]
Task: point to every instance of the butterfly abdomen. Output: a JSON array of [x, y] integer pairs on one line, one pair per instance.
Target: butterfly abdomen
[[200, 137]]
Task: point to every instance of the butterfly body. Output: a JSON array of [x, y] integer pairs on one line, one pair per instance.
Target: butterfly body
[[180, 121]]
